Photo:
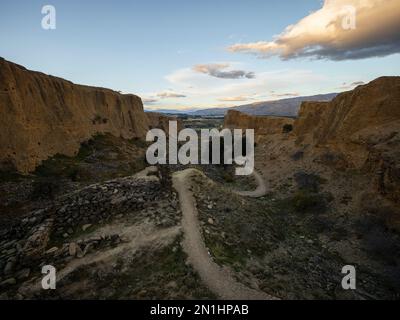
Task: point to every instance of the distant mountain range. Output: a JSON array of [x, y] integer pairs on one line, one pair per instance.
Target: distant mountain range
[[283, 108], [172, 111]]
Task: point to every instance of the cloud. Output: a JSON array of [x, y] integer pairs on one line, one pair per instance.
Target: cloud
[[207, 91], [236, 99], [149, 100], [285, 95], [170, 94], [348, 86], [155, 98], [217, 70], [328, 33]]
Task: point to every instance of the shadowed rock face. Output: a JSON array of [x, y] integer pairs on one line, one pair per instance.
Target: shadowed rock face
[[355, 121], [43, 115], [362, 127], [359, 129]]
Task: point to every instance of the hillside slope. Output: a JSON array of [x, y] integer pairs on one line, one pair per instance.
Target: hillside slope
[[280, 108]]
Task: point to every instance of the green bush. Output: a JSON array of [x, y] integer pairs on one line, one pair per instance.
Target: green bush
[[287, 128], [227, 176], [305, 201]]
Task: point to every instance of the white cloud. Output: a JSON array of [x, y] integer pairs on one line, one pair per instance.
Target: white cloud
[[206, 91], [285, 95], [170, 94], [352, 85], [147, 101], [236, 98], [322, 33], [218, 70]]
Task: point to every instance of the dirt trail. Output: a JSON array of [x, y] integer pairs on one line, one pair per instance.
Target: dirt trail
[[260, 191], [136, 237], [219, 280]]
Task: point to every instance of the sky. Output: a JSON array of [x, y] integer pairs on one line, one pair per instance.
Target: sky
[[179, 54]]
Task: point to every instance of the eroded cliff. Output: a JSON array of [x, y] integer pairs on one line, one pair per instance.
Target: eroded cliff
[[355, 123], [161, 121], [356, 135], [42, 115], [262, 125], [361, 129]]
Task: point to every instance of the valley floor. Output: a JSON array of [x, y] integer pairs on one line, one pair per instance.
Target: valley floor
[[114, 231]]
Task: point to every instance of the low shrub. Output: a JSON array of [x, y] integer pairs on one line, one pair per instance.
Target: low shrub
[[44, 189], [304, 201], [287, 128]]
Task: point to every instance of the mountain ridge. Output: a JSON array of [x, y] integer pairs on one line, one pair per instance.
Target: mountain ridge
[[284, 107]]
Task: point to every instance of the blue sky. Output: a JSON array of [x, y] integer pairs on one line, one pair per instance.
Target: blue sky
[[151, 48]]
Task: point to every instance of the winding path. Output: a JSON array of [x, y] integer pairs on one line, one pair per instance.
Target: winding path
[[260, 191], [219, 280]]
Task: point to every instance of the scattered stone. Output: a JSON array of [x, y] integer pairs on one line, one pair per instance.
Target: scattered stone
[[51, 250], [38, 239], [172, 285], [87, 248], [8, 282], [86, 226], [9, 266], [23, 274], [19, 296], [72, 249], [210, 221], [79, 252]]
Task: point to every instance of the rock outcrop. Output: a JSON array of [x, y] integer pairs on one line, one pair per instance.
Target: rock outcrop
[[355, 122], [360, 130], [42, 115], [161, 121], [262, 125]]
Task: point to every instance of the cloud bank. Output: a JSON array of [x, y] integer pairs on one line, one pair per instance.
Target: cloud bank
[[170, 94], [218, 70], [348, 86], [270, 85], [149, 100], [329, 34], [236, 98]]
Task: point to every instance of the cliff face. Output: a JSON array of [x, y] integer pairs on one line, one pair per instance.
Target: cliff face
[[361, 128], [262, 125], [43, 115], [355, 122], [160, 121]]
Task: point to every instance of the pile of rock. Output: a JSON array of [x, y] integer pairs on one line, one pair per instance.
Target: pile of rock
[[27, 242]]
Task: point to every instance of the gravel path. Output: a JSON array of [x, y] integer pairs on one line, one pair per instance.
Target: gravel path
[[260, 191], [219, 280]]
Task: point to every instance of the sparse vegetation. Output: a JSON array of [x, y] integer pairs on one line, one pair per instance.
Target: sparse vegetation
[[287, 128], [44, 189], [102, 157], [99, 120], [304, 201]]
